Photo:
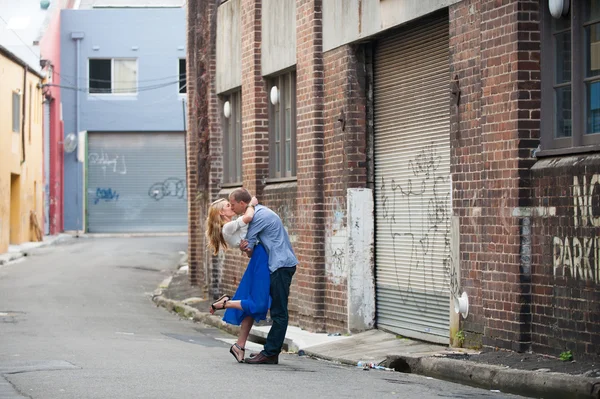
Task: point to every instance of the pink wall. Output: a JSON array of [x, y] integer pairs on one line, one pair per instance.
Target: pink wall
[[50, 49]]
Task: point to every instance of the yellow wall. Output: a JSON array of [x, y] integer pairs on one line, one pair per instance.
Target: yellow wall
[[21, 181]]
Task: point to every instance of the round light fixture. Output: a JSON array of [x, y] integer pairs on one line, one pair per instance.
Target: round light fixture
[[70, 143], [227, 109], [461, 305], [558, 8], [274, 95]]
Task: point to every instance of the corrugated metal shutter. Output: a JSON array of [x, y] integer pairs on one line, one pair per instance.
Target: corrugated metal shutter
[[413, 186], [136, 183]]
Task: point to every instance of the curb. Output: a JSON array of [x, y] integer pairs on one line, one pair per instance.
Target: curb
[[194, 314], [9, 257], [521, 382]]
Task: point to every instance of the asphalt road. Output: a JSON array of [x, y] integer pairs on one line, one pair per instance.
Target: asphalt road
[[77, 321]]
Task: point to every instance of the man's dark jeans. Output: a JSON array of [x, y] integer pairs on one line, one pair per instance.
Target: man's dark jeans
[[281, 279]]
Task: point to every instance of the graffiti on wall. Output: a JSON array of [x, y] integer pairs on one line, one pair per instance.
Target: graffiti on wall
[[288, 216], [579, 257], [171, 187], [417, 218], [335, 247], [105, 195], [115, 163]]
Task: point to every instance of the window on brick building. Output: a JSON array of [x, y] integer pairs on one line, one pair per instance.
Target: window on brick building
[[282, 126], [113, 76], [232, 139], [571, 78]]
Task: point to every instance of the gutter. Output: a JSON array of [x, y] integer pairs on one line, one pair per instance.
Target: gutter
[[4, 51]]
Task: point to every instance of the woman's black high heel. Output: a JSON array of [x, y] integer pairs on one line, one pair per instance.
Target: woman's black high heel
[[219, 300], [235, 355]]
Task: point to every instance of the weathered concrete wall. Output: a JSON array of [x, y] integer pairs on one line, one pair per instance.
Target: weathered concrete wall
[[278, 49], [359, 259], [229, 46], [346, 21]]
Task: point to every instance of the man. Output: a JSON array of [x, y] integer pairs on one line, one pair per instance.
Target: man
[[266, 227]]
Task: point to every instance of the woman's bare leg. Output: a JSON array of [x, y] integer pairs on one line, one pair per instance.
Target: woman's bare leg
[[245, 328], [239, 348]]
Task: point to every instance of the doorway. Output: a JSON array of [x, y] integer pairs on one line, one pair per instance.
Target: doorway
[[15, 209]]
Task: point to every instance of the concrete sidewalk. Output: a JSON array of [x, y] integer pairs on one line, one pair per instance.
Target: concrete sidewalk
[[528, 374], [16, 252]]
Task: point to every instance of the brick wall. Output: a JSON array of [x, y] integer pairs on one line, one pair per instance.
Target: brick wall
[[228, 268], [344, 167], [529, 247], [203, 133], [194, 239], [566, 271], [281, 198], [255, 133], [309, 138], [495, 55], [466, 159], [510, 105]]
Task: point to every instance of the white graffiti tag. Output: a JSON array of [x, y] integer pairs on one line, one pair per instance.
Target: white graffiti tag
[[104, 160]]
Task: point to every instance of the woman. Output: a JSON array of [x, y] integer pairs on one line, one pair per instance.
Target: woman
[[251, 300]]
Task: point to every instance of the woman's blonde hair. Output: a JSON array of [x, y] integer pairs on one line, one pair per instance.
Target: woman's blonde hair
[[214, 226]]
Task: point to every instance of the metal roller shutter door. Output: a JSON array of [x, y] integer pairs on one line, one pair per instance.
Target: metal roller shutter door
[[136, 183], [413, 186]]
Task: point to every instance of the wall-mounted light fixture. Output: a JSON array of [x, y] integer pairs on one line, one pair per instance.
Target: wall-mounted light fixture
[[558, 8], [274, 95], [227, 109], [461, 305]]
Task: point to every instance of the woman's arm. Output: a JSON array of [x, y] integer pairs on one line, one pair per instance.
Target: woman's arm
[[249, 214]]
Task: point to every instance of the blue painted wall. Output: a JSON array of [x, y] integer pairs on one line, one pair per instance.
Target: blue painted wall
[[156, 37]]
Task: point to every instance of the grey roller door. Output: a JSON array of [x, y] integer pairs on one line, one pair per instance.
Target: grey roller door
[[413, 186], [136, 183]]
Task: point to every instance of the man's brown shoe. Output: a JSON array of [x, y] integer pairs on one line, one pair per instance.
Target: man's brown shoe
[[262, 359]]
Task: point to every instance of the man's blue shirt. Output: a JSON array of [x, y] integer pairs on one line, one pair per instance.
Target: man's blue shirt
[[266, 227]]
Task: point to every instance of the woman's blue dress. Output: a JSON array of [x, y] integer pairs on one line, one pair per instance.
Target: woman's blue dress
[[253, 291]]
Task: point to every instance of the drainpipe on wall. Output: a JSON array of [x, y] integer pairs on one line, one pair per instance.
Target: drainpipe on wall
[[77, 36], [23, 115]]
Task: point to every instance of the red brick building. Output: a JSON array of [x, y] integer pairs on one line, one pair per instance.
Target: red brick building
[[417, 153]]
